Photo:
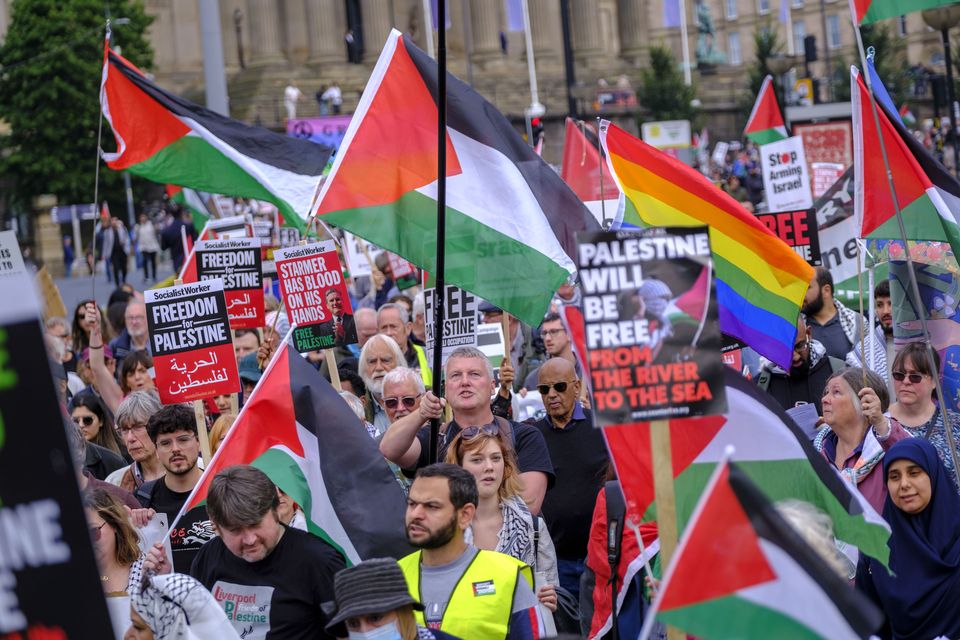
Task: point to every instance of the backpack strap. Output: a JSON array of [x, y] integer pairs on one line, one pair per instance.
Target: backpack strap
[[144, 493], [616, 514], [763, 379], [507, 428], [536, 540]]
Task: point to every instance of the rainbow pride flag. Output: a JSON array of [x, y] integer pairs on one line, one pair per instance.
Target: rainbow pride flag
[[760, 280]]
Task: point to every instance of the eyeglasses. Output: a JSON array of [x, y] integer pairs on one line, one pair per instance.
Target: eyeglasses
[[800, 346], [472, 432], [913, 377], [137, 428], [544, 389], [86, 421], [182, 441], [95, 532], [408, 402], [552, 332]]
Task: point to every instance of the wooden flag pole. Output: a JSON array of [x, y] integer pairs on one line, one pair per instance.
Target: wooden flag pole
[[665, 498], [332, 368], [201, 418]]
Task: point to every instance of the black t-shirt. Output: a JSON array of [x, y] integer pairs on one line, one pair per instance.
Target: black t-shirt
[[580, 460], [193, 530], [532, 454], [279, 597]]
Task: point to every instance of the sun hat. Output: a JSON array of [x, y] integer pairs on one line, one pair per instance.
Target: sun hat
[[373, 586]]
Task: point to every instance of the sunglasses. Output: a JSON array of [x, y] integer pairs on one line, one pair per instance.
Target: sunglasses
[[472, 432], [544, 389], [393, 403], [914, 378], [96, 532], [86, 421]]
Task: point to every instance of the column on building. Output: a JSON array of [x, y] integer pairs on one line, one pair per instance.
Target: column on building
[[585, 25], [325, 32], [485, 29], [545, 29], [265, 34], [633, 29], [377, 16]]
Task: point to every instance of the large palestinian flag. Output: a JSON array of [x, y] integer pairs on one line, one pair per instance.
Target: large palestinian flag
[[927, 194], [740, 571], [299, 431], [511, 222], [167, 139], [771, 449], [765, 124], [582, 169]]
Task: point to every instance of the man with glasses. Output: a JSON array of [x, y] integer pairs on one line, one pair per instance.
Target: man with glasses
[[469, 386], [132, 416], [173, 431], [558, 345], [579, 454], [808, 374], [402, 390], [135, 336]]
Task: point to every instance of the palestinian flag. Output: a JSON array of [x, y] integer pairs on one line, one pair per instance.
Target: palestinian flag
[[164, 138], [298, 430], [741, 571], [765, 124], [582, 169], [511, 222], [192, 201], [927, 194], [867, 11], [771, 449]]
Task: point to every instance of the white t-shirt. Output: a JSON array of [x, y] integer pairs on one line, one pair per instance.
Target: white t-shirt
[[333, 95]]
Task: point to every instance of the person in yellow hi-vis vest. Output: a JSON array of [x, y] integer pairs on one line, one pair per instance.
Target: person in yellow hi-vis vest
[[465, 591]]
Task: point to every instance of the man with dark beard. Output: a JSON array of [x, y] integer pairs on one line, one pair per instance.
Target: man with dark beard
[[808, 373], [466, 592], [835, 326], [883, 350]]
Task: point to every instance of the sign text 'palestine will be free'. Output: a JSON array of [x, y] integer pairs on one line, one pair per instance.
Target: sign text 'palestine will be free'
[[193, 354], [652, 335]]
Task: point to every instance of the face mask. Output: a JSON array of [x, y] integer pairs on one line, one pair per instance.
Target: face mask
[[389, 631]]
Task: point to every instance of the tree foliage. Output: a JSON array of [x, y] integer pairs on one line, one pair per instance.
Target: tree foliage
[[662, 91], [50, 69], [766, 44]]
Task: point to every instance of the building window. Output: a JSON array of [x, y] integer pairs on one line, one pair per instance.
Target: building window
[[796, 4], [799, 33], [833, 31], [731, 6], [733, 44], [902, 26], [763, 7]]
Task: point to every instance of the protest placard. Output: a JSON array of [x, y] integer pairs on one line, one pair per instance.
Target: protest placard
[[798, 229], [193, 354], [459, 321], [355, 252], [404, 273], [652, 334], [823, 175], [315, 295], [11, 260], [239, 264], [230, 228], [49, 583], [786, 178]]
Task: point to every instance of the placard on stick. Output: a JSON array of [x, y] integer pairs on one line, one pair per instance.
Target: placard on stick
[[193, 354], [459, 321], [652, 335], [315, 295], [798, 229], [786, 180], [238, 263], [11, 260], [49, 583]]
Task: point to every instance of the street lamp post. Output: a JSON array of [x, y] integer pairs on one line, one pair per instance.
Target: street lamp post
[[942, 19]]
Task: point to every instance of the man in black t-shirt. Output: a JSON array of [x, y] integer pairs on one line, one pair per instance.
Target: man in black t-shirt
[[469, 386], [173, 431]]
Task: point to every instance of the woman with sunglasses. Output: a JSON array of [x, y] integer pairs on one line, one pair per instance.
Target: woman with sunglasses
[[915, 409], [503, 523], [81, 327], [95, 422], [134, 373], [116, 547]]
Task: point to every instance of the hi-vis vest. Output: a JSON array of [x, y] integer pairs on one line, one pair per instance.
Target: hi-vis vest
[[479, 607], [425, 374]]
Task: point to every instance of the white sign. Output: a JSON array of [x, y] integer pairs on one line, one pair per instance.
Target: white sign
[[11, 260], [459, 321], [785, 178], [668, 134], [229, 228], [720, 154], [824, 175], [357, 261]]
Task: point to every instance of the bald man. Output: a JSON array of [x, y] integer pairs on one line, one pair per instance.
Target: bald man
[[580, 458]]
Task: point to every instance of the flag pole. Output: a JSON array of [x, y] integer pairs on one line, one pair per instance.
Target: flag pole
[[914, 286], [665, 497], [96, 173], [438, 291], [603, 201]]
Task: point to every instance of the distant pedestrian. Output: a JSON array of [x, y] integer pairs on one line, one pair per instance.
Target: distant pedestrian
[[68, 256], [145, 236], [334, 97], [291, 96]]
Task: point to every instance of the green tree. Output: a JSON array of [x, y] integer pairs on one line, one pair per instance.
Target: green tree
[[50, 69], [662, 91]]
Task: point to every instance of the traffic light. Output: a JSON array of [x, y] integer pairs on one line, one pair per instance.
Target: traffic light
[[536, 131], [810, 49]]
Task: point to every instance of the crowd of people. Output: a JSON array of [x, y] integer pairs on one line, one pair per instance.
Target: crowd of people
[[507, 526]]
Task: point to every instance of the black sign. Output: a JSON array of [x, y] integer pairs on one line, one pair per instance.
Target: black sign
[[798, 229]]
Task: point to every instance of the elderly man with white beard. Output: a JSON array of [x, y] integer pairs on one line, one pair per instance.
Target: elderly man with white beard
[[379, 356]]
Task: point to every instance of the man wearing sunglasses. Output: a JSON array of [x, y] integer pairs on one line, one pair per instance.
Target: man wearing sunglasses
[[469, 387]]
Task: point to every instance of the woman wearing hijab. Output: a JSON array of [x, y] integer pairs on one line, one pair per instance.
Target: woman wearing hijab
[[922, 597], [177, 607]]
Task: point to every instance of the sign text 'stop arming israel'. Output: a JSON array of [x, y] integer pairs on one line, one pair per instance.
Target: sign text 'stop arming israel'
[[786, 179]]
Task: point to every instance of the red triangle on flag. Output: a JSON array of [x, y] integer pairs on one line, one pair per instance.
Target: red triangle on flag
[[581, 165], [720, 552]]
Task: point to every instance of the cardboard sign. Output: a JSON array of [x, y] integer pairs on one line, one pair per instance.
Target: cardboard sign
[[353, 253], [239, 264], [652, 334], [11, 260], [786, 179], [798, 229], [193, 354], [315, 295], [720, 154], [49, 583], [459, 321]]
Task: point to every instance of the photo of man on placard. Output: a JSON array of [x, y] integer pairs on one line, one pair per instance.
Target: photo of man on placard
[[341, 325]]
